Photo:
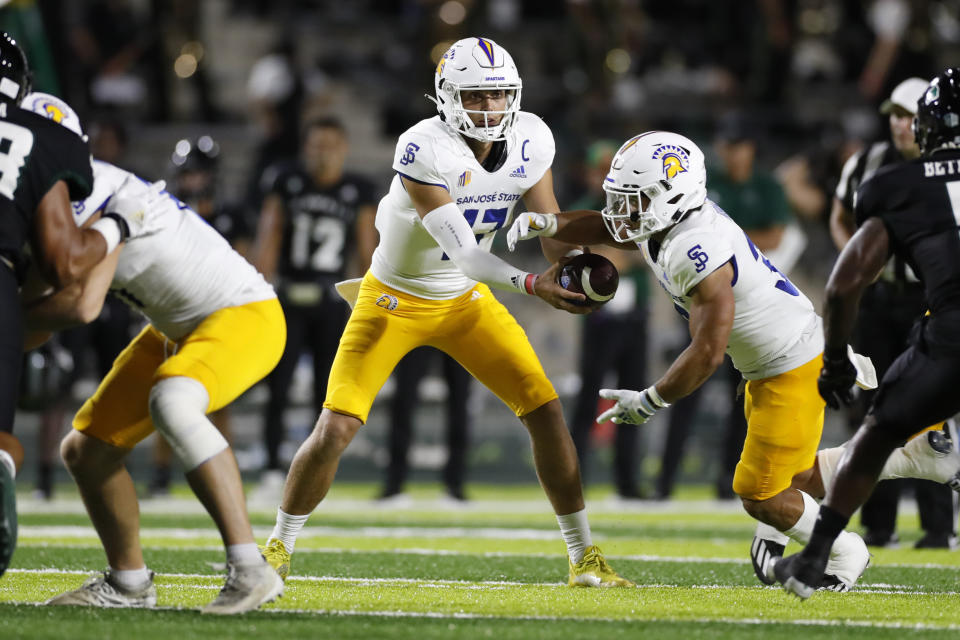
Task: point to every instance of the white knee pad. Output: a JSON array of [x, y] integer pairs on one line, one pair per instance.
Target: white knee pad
[[178, 408]]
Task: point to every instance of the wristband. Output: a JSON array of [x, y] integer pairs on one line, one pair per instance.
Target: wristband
[[655, 397], [529, 282], [109, 228]]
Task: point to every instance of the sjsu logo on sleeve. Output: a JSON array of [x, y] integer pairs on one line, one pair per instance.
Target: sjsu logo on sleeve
[[409, 154]]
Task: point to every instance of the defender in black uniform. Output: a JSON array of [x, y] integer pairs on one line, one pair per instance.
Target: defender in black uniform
[[888, 309], [315, 220], [43, 166], [911, 210]]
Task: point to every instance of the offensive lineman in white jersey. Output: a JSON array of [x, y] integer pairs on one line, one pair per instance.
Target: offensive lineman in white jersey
[[738, 303], [216, 328], [459, 176]]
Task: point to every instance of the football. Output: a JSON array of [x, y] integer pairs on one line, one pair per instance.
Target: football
[[592, 275]]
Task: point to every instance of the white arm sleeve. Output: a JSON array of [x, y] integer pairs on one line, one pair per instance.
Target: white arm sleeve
[[449, 228]]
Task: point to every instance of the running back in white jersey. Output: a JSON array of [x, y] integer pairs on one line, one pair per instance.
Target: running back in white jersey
[[408, 258], [775, 328], [181, 274]]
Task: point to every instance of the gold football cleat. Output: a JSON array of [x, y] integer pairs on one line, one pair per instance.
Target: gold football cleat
[[277, 557], [593, 571]]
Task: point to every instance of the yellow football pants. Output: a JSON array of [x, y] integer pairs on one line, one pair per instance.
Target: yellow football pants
[[228, 352], [784, 424], [475, 329]]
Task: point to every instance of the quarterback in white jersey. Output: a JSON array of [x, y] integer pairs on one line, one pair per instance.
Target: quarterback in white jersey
[[408, 257], [459, 176], [738, 303], [215, 329]]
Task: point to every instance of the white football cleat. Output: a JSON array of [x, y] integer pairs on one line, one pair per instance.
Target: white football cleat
[[247, 587], [100, 591], [849, 558], [934, 458]]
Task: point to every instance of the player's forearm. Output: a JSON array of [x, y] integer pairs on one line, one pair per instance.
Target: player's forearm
[[859, 264], [688, 372], [67, 266], [553, 249], [839, 318], [583, 227], [77, 304], [447, 226], [56, 311]]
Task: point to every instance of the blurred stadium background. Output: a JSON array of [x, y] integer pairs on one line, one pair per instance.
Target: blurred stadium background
[[806, 75]]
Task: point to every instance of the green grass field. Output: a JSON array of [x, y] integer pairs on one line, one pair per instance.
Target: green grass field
[[493, 569]]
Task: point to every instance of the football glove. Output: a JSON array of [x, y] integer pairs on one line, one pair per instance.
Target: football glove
[[632, 407], [530, 225], [836, 381], [140, 216]]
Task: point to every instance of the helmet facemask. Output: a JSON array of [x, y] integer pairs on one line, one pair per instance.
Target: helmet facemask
[[486, 131], [630, 215]]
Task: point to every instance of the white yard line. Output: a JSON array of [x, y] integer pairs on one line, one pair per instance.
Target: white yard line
[[438, 583], [55, 535], [187, 505]]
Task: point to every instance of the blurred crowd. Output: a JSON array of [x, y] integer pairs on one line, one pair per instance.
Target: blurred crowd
[[213, 97]]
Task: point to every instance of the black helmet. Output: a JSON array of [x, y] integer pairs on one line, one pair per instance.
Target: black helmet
[[14, 71], [937, 124], [195, 155]]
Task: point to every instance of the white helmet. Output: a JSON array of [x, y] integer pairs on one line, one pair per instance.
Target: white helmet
[[55, 109], [654, 179], [471, 64]]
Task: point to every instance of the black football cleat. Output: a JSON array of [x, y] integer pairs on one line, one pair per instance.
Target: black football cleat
[[764, 554]]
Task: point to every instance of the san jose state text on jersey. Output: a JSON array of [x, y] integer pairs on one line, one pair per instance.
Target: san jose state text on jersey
[[431, 153]]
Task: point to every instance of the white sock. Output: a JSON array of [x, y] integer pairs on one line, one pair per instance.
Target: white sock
[[902, 463], [129, 579], [827, 461], [244, 554], [575, 529], [845, 543], [803, 529], [7, 460], [287, 529], [767, 532]]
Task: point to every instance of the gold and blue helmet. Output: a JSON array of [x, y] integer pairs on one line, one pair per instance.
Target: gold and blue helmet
[[53, 108], [654, 180], [475, 64]]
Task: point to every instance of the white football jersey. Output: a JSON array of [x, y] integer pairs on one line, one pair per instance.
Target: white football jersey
[[408, 258], [181, 274], [775, 328]]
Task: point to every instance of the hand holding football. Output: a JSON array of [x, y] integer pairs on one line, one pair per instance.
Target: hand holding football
[[592, 275]]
